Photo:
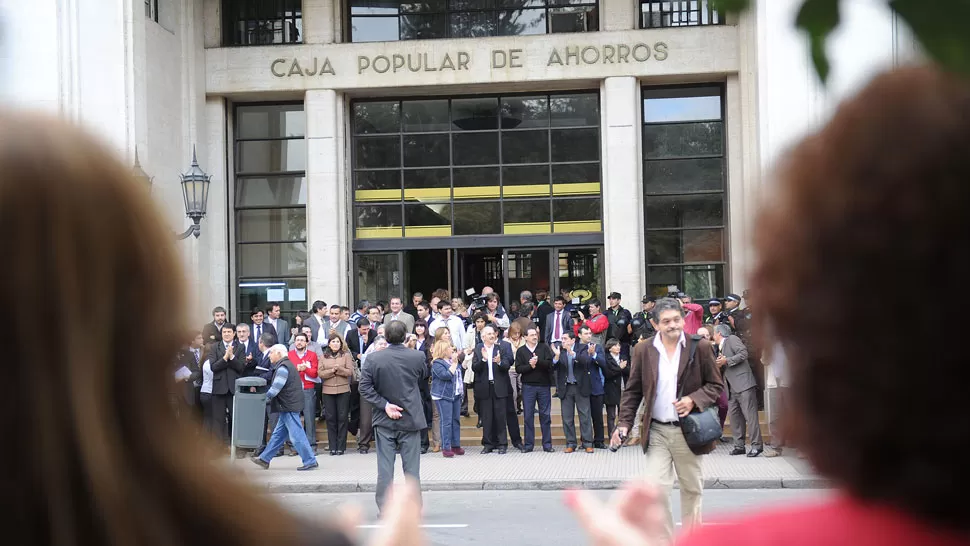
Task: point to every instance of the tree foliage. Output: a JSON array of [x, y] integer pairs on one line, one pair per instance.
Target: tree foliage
[[938, 25]]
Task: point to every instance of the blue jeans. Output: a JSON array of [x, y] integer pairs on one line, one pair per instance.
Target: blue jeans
[[449, 412], [289, 425], [530, 395]]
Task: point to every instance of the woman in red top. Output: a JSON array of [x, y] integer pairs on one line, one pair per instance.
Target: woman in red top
[[874, 202], [306, 363]]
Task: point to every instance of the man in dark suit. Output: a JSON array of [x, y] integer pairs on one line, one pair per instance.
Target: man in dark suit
[[573, 386], [212, 332], [227, 365], [358, 341], [491, 362], [559, 315], [742, 390], [389, 382], [190, 358], [260, 326], [248, 350]]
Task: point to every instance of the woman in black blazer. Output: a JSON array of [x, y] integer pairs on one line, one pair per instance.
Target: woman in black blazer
[[616, 373]]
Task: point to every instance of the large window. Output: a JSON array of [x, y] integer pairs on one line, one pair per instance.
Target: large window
[[519, 164], [390, 20], [270, 205], [683, 185], [262, 22], [686, 13]]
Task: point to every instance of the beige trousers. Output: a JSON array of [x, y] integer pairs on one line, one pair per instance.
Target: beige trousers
[[667, 452]]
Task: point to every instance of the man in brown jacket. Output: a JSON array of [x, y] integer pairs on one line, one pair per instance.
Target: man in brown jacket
[[658, 374]]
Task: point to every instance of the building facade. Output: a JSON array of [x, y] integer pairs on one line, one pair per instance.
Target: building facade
[[369, 148]]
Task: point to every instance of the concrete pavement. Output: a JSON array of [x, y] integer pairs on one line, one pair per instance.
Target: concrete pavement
[[533, 471]]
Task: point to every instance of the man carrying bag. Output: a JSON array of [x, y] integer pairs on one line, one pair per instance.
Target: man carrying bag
[[676, 378]]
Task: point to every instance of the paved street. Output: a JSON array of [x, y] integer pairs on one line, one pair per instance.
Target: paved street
[[526, 517], [534, 471]]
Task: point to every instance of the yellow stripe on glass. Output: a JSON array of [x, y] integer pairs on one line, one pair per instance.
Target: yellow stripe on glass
[[427, 231], [427, 193], [579, 226], [477, 192], [392, 232], [528, 190], [377, 195], [525, 228], [576, 188]]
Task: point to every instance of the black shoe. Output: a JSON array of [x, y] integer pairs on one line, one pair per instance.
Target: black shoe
[[340, 452], [479, 425], [333, 452], [755, 452], [424, 450], [739, 450], [599, 445], [518, 412], [310, 466], [502, 450], [725, 440], [363, 451], [486, 450], [260, 462], [465, 414], [517, 445], [525, 449], [548, 449]]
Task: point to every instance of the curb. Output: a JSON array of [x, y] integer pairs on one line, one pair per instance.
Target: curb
[[541, 485]]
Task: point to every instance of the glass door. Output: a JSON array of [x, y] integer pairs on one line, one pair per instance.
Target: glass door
[[527, 269], [379, 276], [580, 272]]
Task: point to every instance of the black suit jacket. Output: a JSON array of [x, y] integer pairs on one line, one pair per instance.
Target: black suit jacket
[[566, 324], [249, 366], [581, 371], [187, 358], [614, 375], [225, 372], [500, 371], [354, 344], [267, 329], [395, 375]]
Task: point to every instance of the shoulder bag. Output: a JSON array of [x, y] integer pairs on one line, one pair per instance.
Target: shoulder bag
[[700, 427]]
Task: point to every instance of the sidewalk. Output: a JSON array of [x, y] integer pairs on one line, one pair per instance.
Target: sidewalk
[[533, 471]]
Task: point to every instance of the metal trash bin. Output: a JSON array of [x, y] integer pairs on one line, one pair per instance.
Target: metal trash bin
[[248, 414]]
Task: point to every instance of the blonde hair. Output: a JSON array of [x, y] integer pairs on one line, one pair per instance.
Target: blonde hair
[[82, 237], [440, 349]]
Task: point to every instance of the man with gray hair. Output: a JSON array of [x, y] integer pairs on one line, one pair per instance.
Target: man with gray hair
[[286, 396], [742, 390]]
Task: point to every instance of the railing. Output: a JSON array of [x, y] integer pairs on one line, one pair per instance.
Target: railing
[[687, 13]]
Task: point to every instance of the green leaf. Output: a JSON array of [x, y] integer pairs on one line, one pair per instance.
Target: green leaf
[[941, 28], [730, 6], [818, 18]]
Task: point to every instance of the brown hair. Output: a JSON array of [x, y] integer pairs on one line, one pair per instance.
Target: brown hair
[[108, 461], [868, 205], [343, 345], [515, 330]]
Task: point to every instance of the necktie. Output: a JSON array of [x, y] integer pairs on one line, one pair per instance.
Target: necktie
[[556, 333], [259, 330]]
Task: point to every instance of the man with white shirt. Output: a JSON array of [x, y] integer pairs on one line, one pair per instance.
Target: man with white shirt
[[662, 369], [260, 326], [397, 313], [452, 322], [280, 325], [491, 362], [317, 321]]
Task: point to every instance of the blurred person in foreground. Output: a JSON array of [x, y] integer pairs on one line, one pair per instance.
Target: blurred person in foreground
[[874, 200], [112, 465]]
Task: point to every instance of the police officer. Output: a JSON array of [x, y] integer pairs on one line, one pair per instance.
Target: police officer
[[732, 311], [642, 322], [742, 321], [717, 315], [621, 327]]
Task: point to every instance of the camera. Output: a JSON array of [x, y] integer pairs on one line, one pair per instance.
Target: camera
[[478, 300], [613, 448]]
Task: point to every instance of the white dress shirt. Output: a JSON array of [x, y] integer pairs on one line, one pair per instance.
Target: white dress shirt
[[491, 355], [454, 325], [206, 377], [663, 405]]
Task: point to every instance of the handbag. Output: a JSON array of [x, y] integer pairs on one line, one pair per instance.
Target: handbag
[[700, 428]]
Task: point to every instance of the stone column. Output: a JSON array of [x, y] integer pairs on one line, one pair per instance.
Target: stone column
[[622, 189], [619, 15], [209, 254], [326, 209], [320, 22]]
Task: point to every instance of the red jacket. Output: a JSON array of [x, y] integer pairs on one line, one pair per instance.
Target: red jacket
[[841, 521], [694, 319], [597, 323], [309, 358]]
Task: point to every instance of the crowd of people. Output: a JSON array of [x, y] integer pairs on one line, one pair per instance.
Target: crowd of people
[[511, 362]]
